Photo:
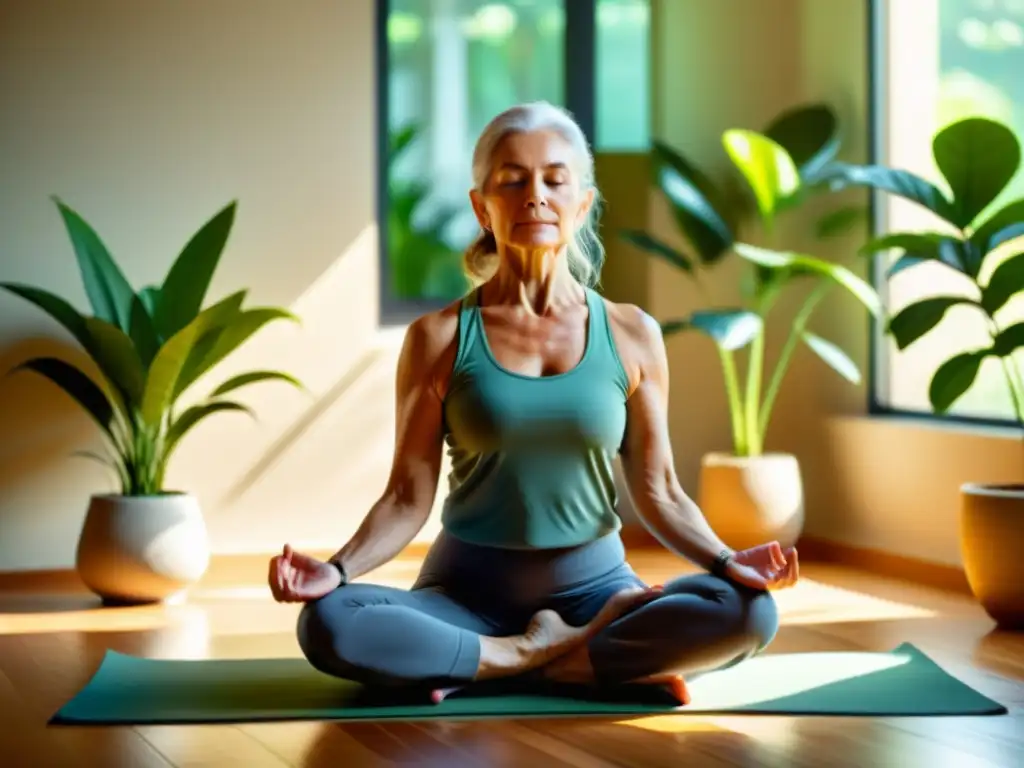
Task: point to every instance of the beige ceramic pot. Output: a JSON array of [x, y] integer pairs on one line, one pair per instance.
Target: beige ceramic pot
[[752, 500], [142, 549], [992, 546]]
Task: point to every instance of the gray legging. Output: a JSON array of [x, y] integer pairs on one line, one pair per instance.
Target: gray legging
[[429, 635]]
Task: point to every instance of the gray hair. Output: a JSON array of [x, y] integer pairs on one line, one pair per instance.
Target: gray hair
[[585, 251]]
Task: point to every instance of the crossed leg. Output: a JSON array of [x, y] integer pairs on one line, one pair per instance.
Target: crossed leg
[[700, 623]]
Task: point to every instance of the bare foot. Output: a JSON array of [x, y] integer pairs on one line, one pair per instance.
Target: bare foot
[[575, 666], [621, 602], [548, 637], [674, 685]]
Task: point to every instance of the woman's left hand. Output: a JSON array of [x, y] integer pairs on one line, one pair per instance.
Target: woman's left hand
[[765, 567]]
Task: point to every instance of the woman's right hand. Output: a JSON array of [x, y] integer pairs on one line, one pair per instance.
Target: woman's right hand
[[296, 578]]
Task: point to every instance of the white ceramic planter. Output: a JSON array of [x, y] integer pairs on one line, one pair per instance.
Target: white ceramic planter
[[752, 500], [142, 549], [992, 546]]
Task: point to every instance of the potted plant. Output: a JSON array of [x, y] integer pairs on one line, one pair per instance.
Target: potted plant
[[978, 240], [147, 543], [749, 495]]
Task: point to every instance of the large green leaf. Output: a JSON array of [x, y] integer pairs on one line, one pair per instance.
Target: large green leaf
[[191, 416], [221, 341], [978, 157], [1009, 340], [652, 245], [894, 181], [400, 138], [835, 357], [143, 331], [253, 377], [186, 284], [915, 320], [730, 329], [150, 298], [114, 353], [1001, 226], [108, 291], [952, 379], [76, 385], [1007, 281], [809, 134], [920, 247], [164, 373], [767, 168], [55, 307], [671, 327], [704, 225], [840, 221], [800, 263]]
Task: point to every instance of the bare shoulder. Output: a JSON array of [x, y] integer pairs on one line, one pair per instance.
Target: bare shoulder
[[430, 345], [639, 340]]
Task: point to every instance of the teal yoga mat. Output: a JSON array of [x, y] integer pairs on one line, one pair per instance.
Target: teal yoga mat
[[132, 690]]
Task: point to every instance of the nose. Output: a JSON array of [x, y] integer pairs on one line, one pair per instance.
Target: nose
[[535, 197]]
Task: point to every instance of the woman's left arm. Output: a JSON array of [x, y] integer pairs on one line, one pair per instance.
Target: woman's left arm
[[662, 504]]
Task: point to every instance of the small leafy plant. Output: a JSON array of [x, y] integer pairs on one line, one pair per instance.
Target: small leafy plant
[[779, 170], [150, 346], [978, 158]]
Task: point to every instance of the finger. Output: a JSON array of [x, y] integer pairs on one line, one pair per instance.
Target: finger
[[794, 564], [287, 592], [750, 578], [272, 581], [778, 559]]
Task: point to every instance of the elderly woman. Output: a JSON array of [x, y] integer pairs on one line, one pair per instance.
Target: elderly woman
[[535, 383]]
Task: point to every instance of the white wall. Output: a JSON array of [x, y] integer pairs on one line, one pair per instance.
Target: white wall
[[147, 118]]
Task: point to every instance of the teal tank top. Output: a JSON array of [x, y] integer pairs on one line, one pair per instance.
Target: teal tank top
[[532, 457]]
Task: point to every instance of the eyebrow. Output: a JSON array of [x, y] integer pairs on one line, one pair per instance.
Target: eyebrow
[[517, 167]]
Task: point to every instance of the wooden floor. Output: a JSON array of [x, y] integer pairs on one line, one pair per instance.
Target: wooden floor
[[50, 644]]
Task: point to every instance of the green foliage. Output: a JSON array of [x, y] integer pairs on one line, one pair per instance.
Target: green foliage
[[773, 172], [423, 263], [977, 158], [150, 346]]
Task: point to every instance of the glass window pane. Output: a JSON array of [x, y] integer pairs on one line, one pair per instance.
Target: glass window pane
[[623, 75], [453, 65], [948, 59]]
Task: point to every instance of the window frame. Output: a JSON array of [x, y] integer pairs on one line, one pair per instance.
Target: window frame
[[580, 90], [879, 352]]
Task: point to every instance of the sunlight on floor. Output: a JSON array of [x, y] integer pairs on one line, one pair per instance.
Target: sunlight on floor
[[763, 679], [809, 602]]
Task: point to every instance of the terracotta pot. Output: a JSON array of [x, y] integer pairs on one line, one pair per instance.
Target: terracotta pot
[[992, 547], [751, 500], [142, 549]]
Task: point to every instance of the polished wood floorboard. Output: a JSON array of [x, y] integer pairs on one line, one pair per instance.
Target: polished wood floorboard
[[51, 643]]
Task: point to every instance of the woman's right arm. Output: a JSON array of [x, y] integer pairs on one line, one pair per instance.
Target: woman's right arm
[[404, 507]]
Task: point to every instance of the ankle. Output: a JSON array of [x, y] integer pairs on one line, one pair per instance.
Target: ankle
[[503, 656]]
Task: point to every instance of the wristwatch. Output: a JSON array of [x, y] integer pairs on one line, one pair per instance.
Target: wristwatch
[[721, 562], [341, 569]]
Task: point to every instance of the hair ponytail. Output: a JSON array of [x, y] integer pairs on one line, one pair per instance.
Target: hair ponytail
[[481, 258]]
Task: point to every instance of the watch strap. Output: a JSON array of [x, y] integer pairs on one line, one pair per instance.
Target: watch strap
[[721, 562], [341, 569]]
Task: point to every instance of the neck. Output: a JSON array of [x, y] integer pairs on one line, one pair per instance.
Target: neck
[[536, 280]]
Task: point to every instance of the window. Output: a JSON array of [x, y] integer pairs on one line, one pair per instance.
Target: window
[[937, 61], [446, 67]]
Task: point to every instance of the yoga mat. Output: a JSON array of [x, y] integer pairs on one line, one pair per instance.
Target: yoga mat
[[132, 690]]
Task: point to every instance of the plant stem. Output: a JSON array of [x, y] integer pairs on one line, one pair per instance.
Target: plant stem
[[732, 389], [782, 364], [1009, 369], [755, 366], [1014, 395]]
